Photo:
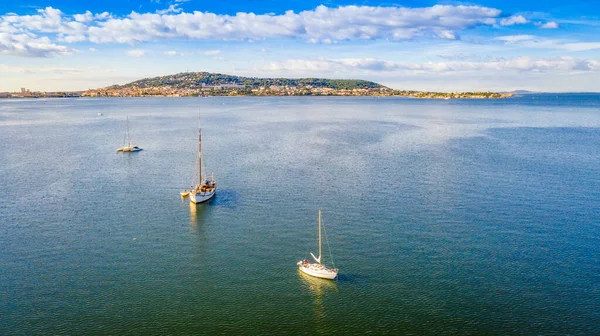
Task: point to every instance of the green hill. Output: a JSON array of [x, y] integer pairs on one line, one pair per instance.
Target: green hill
[[194, 84], [195, 80]]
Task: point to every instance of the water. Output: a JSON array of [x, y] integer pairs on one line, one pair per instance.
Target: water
[[444, 217]]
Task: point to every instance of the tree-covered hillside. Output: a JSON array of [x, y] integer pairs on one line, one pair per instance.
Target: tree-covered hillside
[[191, 80]]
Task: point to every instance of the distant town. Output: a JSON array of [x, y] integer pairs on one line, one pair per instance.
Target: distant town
[[26, 93], [204, 84], [277, 90]]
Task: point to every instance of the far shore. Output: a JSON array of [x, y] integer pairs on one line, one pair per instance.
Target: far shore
[[171, 96], [311, 92]]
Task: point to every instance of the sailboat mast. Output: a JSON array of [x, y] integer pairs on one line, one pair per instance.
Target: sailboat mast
[[127, 131], [319, 236], [200, 175]]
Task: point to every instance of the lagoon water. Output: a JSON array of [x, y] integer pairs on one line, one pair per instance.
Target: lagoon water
[[445, 217]]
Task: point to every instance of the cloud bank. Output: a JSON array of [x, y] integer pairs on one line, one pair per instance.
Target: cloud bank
[[531, 41], [321, 25], [517, 64]]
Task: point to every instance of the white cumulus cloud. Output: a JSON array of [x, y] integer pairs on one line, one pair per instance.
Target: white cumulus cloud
[[171, 9], [548, 25], [48, 20], [513, 20], [89, 17], [30, 45]]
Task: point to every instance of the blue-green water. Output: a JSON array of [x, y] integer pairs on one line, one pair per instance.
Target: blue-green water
[[444, 217]]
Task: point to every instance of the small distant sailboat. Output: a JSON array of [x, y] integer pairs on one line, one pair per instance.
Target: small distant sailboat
[[129, 147], [207, 186], [184, 193], [318, 269]]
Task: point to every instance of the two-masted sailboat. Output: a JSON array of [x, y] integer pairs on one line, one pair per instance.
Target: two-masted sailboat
[[206, 186], [317, 269], [128, 147]]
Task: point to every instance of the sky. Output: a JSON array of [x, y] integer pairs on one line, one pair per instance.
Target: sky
[[487, 45]]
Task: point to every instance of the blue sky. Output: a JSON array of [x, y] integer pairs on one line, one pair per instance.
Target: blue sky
[[423, 45]]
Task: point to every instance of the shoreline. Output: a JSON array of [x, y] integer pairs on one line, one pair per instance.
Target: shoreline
[[503, 96]]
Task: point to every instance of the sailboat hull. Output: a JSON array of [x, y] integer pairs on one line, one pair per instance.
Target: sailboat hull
[[317, 270], [129, 149], [202, 196]]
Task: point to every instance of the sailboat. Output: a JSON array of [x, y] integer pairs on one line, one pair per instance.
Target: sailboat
[[129, 147], [207, 186], [318, 269]]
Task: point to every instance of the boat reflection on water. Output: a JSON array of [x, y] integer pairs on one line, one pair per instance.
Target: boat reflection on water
[[319, 288], [196, 215], [193, 214]]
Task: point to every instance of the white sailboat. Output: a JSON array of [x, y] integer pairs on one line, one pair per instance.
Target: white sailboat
[[318, 269], [129, 147], [206, 187]]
